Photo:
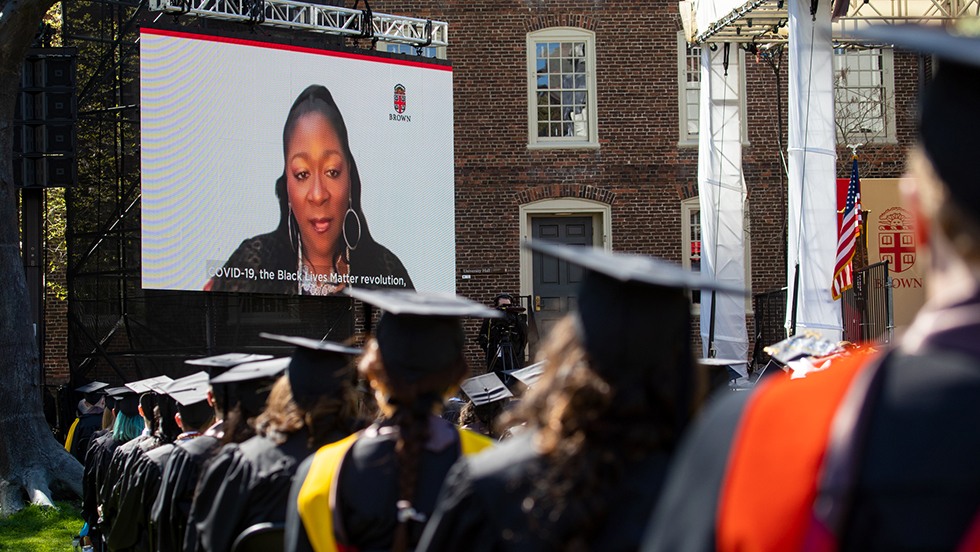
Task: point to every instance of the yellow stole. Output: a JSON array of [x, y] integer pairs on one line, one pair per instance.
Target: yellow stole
[[71, 436], [318, 495]]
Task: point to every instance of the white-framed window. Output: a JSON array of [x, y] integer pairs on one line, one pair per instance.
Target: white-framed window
[[691, 246], [864, 95], [561, 88], [437, 52], [689, 90]]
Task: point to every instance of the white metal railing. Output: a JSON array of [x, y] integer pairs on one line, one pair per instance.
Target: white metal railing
[[292, 14]]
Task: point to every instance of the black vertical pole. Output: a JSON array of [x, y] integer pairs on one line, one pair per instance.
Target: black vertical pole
[[796, 299], [711, 327], [32, 206]]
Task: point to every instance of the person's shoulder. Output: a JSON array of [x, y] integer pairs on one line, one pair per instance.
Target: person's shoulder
[[160, 454], [197, 446], [510, 459], [259, 448], [129, 447]]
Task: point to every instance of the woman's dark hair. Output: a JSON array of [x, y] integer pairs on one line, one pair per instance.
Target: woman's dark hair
[[241, 403], [148, 403], [168, 430], [591, 424], [317, 99], [411, 402], [323, 420], [483, 416]]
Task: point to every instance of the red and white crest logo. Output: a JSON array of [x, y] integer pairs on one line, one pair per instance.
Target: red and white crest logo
[[400, 98], [896, 239]]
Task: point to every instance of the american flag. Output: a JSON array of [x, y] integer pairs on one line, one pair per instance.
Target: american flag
[[850, 228]]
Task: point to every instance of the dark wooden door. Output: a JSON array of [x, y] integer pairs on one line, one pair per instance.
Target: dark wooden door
[[555, 282]]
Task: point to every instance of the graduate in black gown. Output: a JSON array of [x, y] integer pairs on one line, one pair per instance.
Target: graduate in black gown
[[248, 483], [193, 415], [489, 398], [180, 465], [88, 420], [128, 425], [618, 387], [390, 473], [126, 455]]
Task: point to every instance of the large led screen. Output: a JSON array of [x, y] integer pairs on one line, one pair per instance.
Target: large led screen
[[280, 169]]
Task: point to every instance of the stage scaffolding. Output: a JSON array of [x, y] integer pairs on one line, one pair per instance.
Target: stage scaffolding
[[116, 330]]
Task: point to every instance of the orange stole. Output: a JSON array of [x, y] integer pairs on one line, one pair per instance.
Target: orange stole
[[766, 500]]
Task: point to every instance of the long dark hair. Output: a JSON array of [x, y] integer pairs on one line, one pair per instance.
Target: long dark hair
[[317, 99], [591, 422], [323, 419], [410, 402]]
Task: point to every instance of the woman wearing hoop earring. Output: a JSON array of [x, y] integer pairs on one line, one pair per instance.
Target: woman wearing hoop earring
[[322, 243]]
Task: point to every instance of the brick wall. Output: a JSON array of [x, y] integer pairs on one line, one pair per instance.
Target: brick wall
[[56, 332]]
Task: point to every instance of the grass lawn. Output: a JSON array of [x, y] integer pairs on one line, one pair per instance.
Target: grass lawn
[[36, 529]]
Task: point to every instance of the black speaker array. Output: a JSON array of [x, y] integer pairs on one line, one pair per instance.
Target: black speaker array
[[44, 120]]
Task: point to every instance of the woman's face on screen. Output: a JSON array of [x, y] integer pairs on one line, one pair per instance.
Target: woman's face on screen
[[318, 185]]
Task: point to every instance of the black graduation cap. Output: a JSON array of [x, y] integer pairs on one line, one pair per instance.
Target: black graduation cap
[[92, 387], [219, 364], [317, 368], [626, 268], [147, 385], [950, 107], [627, 304], [420, 333], [485, 389], [159, 386], [250, 371], [127, 401], [529, 375], [190, 389], [634, 323]]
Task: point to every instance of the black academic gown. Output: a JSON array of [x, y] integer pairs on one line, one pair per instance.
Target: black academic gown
[[480, 508], [172, 504], [94, 459], [87, 426], [117, 476], [367, 490], [244, 484], [142, 481], [97, 462]]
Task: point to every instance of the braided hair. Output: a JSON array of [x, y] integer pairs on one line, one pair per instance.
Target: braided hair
[[408, 404]]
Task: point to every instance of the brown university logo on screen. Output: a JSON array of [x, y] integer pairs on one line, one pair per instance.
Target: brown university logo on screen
[[400, 103]]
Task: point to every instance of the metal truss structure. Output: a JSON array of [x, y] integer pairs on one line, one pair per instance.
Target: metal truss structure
[[764, 21], [291, 14]]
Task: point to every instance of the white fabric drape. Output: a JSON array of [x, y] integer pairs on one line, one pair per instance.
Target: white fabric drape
[[812, 176], [721, 188]]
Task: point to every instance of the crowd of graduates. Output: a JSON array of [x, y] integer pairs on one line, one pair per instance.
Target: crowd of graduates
[[313, 453], [336, 448]]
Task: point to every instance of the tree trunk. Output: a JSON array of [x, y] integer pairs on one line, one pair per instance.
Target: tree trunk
[[30, 458]]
